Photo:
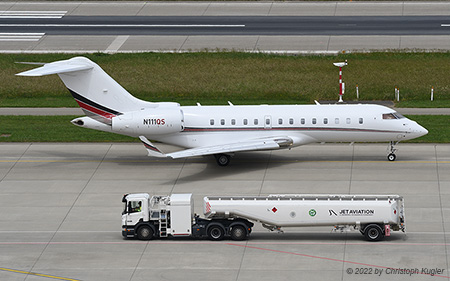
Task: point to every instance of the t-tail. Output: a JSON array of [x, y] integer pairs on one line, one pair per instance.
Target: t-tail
[[100, 97]]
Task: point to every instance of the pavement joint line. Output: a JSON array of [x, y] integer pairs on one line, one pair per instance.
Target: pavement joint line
[[441, 205], [36, 274], [70, 209], [328, 259]]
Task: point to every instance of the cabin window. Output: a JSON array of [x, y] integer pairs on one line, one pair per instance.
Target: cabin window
[[211, 122], [314, 120], [336, 121], [233, 121], [291, 121], [255, 121], [302, 121], [348, 121], [361, 120], [267, 121], [222, 121], [245, 122], [325, 121], [280, 121]]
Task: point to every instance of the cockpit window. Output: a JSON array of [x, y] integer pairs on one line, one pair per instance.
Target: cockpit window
[[394, 115]]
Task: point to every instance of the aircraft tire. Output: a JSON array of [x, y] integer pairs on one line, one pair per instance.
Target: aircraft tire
[[391, 157], [223, 159]]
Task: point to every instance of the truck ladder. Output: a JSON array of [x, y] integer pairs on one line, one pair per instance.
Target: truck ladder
[[163, 224]]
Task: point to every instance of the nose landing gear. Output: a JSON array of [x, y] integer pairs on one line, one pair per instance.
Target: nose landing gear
[[392, 150]]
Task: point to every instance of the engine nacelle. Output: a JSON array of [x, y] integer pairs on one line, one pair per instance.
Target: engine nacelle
[[151, 121]]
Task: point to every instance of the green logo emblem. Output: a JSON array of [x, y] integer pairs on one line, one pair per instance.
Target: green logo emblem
[[312, 212]]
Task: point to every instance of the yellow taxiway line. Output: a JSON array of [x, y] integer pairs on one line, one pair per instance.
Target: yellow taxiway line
[[37, 274]]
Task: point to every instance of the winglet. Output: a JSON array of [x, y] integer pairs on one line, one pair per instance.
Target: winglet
[[152, 150]]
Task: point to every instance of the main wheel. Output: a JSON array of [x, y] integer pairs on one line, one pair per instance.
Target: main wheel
[[373, 232], [222, 159], [145, 232], [216, 233], [391, 157], [238, 233]]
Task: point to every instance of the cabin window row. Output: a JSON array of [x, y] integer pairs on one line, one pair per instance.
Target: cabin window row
[[268, 121]]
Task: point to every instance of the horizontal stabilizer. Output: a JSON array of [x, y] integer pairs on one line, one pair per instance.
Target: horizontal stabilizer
[[152, 150], [56, 68]]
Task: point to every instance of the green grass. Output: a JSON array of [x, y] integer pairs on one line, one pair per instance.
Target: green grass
[[242, 78], [437, 126], [59, 129], [51, 129]]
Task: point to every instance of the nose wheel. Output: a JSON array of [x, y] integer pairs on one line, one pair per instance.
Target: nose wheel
[[392, 150], [391, 157]]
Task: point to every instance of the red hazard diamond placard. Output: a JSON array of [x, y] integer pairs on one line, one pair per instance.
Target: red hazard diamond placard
[[274, 209]]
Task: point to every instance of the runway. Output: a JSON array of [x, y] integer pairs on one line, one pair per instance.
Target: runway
[[277, 27], [230, 25], [61, 208]]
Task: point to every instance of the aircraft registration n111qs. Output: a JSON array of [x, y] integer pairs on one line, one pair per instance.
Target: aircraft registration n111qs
[[221, 130]]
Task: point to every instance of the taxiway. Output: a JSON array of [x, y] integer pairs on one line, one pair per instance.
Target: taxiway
[[61, 208]]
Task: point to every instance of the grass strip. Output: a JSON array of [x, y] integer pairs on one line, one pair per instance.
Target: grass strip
[[59, 129], [243, 78]]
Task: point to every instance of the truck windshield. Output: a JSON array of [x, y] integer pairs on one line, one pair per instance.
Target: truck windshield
[[134, 206]]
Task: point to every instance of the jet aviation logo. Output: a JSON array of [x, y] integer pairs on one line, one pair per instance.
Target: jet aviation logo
[[346, 213], [361, 212], [312, 212], [332, 212]]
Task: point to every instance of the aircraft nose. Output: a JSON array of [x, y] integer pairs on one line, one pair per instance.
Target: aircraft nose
[[419, 130]]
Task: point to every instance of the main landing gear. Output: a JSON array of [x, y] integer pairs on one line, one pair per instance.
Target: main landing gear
[[222, 159], [392, 150]]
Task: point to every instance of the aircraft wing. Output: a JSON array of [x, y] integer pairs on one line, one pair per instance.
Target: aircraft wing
[[250, 145]]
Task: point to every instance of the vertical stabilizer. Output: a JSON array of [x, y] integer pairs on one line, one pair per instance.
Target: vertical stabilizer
[[100, 96]]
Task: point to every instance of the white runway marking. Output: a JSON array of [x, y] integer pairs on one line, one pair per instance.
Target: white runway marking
[[123, 25], [21, 36], [32, 14]]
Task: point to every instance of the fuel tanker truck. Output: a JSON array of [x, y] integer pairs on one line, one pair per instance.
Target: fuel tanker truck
[[158, 216]]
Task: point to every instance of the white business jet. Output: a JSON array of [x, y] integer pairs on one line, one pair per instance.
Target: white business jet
[[221, 130]]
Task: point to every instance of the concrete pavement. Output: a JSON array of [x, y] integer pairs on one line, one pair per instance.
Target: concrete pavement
[[43, 43], [61, 208]]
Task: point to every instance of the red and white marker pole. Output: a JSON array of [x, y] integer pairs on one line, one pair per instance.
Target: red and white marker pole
[[341, 86]]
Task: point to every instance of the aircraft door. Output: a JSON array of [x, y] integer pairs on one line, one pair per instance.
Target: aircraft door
[[267, 122], [182, 120]]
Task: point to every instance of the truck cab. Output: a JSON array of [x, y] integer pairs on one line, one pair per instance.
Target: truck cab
[[147, 217]]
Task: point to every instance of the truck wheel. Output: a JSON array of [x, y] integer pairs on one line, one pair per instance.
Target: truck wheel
[[216, 233], [145, 232], [373, 232], [238, 233]]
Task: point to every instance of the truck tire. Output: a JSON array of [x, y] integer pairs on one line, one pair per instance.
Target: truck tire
[[216, 232], [145, 232], [238, 233], [373, 232]]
